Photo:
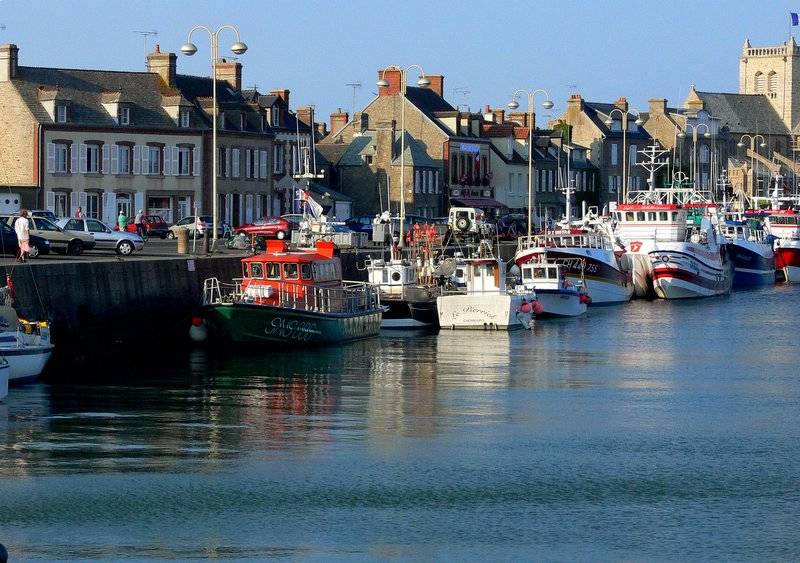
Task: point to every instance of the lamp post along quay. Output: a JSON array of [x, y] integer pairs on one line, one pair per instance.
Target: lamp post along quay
[[189, 49], [609, 122], [547, 104], [422, 82], [762, 145], [695, 169]]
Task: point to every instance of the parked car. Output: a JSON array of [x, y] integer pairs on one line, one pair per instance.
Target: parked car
[[270, 227], [188, 223], [60, 240], [154, 226], [512, 226], [122, 242], [9, 244], [294, 218], [46, 213], [361, 223]]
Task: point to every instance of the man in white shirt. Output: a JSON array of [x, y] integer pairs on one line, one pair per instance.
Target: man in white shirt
[[22, 228]]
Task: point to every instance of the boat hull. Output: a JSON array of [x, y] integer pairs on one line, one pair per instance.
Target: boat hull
[[560, 303], [753, 264], [416, 310], [5, 371], [787, 260], [681, 274], [484, 311], [26, 363], [246, 323]]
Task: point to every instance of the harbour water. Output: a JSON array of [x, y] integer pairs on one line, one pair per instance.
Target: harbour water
[[651, 430]]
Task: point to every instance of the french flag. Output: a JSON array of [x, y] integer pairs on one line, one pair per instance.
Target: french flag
[[795, 18]]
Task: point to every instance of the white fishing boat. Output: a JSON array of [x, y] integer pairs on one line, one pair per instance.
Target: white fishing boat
[[408, 303], [24, 344], [559, 297], [486, 302]]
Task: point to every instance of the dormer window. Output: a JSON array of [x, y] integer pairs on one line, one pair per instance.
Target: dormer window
[[184, 118], [61, 113], [222, 120], [276, 115], [242, 122], [262, 124], [124, 115]]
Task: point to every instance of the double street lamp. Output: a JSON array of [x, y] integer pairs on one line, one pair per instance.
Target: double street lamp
[[422, 82], [514, 104], [609, 122], [763, 144], [190, 49]]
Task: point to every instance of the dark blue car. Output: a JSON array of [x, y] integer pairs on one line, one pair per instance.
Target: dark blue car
[[9, 245]]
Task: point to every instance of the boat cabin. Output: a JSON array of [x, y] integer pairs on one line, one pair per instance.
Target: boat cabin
[[546, 275], [784, 223], [482, 275], [734, 230], [391, 276], [662, 222]]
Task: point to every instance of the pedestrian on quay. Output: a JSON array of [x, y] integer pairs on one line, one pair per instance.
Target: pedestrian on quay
[[122, 220], [79, 213], [139, 222], [22, 229]]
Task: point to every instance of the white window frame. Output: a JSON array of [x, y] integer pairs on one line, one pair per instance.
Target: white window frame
[[614, 154], [61, 113], [124, 158], [94, 155], [154, 164], [125, 116], [61, 148], [184, 118], [184, 162]]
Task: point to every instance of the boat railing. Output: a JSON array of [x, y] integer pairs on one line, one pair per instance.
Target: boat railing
[[565, 240], [350, 298]]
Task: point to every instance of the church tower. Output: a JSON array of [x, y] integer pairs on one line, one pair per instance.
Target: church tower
[[775, 73]]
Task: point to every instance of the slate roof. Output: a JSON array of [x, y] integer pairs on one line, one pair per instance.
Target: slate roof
[[427, 101], [290, 122], [598, 112], [414, 154], [332, 152], [198, 90], [358, 146], [743, 113], [85, 90]]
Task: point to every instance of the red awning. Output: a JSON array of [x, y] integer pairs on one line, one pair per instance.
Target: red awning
[[479, 202]]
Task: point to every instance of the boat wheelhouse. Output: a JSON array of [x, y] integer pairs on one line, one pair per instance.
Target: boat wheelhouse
[[290, 296], [750, 251], [784, 224], [408, 302]]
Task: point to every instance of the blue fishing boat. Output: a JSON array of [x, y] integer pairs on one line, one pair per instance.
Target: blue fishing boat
[[750, 250]]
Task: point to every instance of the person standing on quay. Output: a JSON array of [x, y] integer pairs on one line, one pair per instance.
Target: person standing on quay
[[22, 229], [139, 222], [122, 220]]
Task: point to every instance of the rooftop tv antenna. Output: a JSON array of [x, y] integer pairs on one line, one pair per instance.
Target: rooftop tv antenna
[[354, 86], [145, 39], [464, 92]]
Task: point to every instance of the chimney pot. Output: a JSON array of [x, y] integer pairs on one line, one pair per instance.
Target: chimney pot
[[9, 60], [230, 72], [338, 120]]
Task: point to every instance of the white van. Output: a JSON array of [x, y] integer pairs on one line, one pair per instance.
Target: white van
[[9, 204]]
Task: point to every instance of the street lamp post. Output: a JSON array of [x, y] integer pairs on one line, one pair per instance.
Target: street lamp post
[[695, 168], [609, 122], [190, 49], [762, 145], [422, 82], [547, 104]]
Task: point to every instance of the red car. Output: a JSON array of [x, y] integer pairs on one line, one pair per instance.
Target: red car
[[154, 226], [272, 227]]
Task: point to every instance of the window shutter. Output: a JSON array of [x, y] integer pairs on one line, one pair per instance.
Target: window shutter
[[138, 202], [166, 161], [105, 158], [235, 163], [50, 198], [258, 206], [227, 162], [137, 159], [74, 158], [73, 203], [51, 157], [110, 207], [175, 164], [248, 215], [145, 159], [82, 200], [247, 163], [265, 172], [114, 159], [83, 158], [196, 155], [229, 208]]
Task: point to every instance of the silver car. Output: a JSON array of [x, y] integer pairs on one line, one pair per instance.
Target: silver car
[[122, 242]]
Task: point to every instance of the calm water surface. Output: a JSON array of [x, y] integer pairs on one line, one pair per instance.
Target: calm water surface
[[652, 430]]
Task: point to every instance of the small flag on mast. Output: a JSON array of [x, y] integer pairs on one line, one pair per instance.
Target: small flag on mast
[[795, 18]]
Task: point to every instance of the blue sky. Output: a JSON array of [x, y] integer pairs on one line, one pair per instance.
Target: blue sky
[[603, 50]]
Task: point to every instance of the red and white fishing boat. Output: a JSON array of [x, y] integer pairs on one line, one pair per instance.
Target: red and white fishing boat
[[785, 225]]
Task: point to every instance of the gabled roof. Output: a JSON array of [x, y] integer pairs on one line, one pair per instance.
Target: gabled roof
[[198, 91], [332, 152], [358, 146], [85, 89], [743, 113], [427, 101], [598, 112], [414, 155]]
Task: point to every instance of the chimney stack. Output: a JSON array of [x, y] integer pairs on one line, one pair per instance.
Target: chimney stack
[[393, 77], [499, 115], [519, 117], [657, 106], [164, 65], [230, 72], [9, 60], [575, 101], [622, 103], [306, 115], [283, 94], [437, 83], [338, 120], [322, 130]]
